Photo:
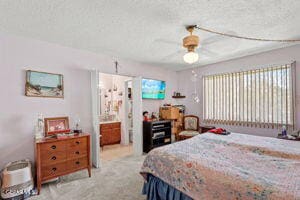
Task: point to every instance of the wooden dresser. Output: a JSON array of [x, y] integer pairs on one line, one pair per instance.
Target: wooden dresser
[[110, 133], [58, 157]]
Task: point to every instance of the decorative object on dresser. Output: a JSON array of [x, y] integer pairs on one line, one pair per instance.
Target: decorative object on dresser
[[110, 133], [58, 157], [156, 134], [39, 127], [56, 125], [77, 125], [190, 127], [43, 84]]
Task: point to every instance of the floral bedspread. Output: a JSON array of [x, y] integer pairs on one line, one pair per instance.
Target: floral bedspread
[[235, 166]]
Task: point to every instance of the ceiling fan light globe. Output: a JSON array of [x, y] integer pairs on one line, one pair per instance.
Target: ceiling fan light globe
[[191, 57]]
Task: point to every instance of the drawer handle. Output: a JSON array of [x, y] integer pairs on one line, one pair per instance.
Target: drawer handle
[[77, 142], [77, 162], [77, 152], [53, 158], [54, 169], [53, 147]]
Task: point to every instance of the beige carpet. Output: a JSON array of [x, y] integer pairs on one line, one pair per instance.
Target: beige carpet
[[116, 180], [115, 151]]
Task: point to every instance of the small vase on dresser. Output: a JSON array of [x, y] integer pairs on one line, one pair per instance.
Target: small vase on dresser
[[39, 127]]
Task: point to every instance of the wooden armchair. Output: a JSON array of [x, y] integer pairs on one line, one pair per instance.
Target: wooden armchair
[[190, 127]]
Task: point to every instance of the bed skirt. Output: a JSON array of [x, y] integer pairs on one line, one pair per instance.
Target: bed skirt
[[156, 189]]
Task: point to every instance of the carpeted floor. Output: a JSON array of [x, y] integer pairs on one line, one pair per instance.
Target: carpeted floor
[[116, 180]]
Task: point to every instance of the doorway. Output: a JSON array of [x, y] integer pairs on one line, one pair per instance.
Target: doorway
[[115, 119], [137, 125]]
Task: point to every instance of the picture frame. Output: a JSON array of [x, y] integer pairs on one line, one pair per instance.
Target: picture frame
[[44, 84], [56, 125]]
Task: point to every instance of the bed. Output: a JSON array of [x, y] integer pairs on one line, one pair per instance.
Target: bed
[[235, 166]]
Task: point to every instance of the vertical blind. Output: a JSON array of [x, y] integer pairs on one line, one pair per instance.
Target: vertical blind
[[261, 97]]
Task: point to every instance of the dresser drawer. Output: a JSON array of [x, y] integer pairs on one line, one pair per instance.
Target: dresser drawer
[[52, 147], [115, 136], [78, 143], [105, 126], [105, 136], [52, 158], [116, 125], [76, 152], [53, 170], [77, 164]]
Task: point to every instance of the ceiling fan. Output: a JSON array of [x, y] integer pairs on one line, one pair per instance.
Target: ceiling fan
[[190, 42], [192, 47]]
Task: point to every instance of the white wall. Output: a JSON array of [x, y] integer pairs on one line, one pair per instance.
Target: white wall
[[279, 56], [108, 81], [18, 112], [105, 82]]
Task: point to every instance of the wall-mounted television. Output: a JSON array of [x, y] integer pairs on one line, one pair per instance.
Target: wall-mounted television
[[153, 89]]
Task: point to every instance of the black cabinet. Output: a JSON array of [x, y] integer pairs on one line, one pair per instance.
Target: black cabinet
[[156, 134]]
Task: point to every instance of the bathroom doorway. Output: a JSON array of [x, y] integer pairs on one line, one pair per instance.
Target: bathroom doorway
[[115, 119], [137, 129]]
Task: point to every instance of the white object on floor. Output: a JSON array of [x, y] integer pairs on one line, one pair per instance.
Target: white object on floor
[[17, 179]]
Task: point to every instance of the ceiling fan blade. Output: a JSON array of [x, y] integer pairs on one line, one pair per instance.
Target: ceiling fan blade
[[212, 39], [216, 38], [170, 56], [206, 52], [167, 41]]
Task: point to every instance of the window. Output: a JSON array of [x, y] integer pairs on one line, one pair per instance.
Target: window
[[261, 98]]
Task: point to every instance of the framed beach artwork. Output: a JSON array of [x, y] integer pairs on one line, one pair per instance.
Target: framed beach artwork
[[43, 84]]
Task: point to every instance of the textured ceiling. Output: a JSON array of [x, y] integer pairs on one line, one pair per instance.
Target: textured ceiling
[[150, 31]]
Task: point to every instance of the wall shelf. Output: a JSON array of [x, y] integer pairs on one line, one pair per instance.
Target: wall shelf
[[178, 97]]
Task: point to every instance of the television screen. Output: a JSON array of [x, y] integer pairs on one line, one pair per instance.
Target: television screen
[[153, 89]]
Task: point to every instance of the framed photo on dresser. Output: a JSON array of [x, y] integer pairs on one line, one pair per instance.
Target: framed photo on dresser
[[56, 125]]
